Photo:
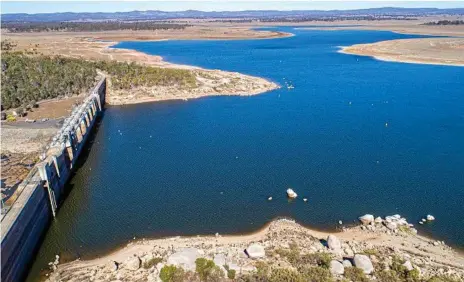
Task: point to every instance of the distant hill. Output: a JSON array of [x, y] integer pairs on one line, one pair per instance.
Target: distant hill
[[254, 14]]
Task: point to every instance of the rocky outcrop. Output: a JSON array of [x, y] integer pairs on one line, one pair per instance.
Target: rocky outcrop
[[184, 258], [291, 194], [366, 219]]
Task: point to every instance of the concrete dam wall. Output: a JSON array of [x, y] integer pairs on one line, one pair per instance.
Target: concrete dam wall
[[27, 220]]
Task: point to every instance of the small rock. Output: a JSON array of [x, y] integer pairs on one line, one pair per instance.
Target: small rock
[[336, 267], [408, 265], [269, 199], [347, 263], [333, 242], [366, 219], [392, 225], [349, 252], [363, 262], [305, 200], [430, 217], [255, 251], [340, 222], [378, 220]]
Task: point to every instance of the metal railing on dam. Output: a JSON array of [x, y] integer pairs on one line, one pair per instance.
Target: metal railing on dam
[[23, 225]]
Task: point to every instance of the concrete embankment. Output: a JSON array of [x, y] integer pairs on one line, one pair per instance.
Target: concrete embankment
[[42, 190]]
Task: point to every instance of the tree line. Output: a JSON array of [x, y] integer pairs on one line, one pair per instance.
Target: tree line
[[29, 78], [446, 22], [88, 26]]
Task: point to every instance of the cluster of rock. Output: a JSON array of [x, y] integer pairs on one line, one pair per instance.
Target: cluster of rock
[[337, 266], [393, 223]]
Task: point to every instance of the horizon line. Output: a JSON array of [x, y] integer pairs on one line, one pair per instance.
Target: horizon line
[[247, 10]]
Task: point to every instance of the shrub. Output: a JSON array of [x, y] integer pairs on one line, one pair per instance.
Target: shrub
[[292, 254], [388, 276], [262, 268], [316, 259], [355, 274], [231, 273], [402, 272], [10, 118], [152, 262], [285, 275], [371, 252], [171, 273], [253, 277], [443, 278], [316, 274], [207, 270]]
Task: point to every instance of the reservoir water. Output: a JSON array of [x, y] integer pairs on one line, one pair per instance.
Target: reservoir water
[[355, 135]]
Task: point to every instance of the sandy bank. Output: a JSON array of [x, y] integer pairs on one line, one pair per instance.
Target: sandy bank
[[425, 254], [436, 51]]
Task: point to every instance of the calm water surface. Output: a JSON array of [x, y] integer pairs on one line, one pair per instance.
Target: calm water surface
[[354, 136]]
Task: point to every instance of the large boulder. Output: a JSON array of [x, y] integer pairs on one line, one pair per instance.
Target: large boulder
[[184, 258], [219, 259], [366, 219], [133, 263], [112, 265], [255, 251], [363, 262], [336, 267], [333, 242], [291, 194]]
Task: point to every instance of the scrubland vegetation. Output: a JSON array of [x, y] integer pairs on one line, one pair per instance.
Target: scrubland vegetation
[[446, 22], [29, 77], [88, 26], [314, 267]]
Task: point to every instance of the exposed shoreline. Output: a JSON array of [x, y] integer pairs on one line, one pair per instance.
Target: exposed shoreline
[[446, 50], [273, 235], [384, 51], [99, 46]]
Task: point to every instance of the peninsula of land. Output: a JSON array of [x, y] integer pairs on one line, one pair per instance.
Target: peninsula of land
[[445, 46], [378, 249], [97, 46]]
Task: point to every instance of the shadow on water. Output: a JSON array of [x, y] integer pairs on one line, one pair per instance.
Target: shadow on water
[[32, 275]]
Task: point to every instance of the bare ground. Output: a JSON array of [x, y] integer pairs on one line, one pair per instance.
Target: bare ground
[[431, 258], [447, 50]]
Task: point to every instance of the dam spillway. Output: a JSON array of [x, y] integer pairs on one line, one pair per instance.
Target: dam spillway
[[42, 190]]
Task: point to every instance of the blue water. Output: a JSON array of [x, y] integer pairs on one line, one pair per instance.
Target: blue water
[[354, 136]]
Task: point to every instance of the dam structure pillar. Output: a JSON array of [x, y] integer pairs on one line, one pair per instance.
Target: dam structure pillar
[[42, 190]]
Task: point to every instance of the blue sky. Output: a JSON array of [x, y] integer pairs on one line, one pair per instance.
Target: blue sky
[[221, 5]]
